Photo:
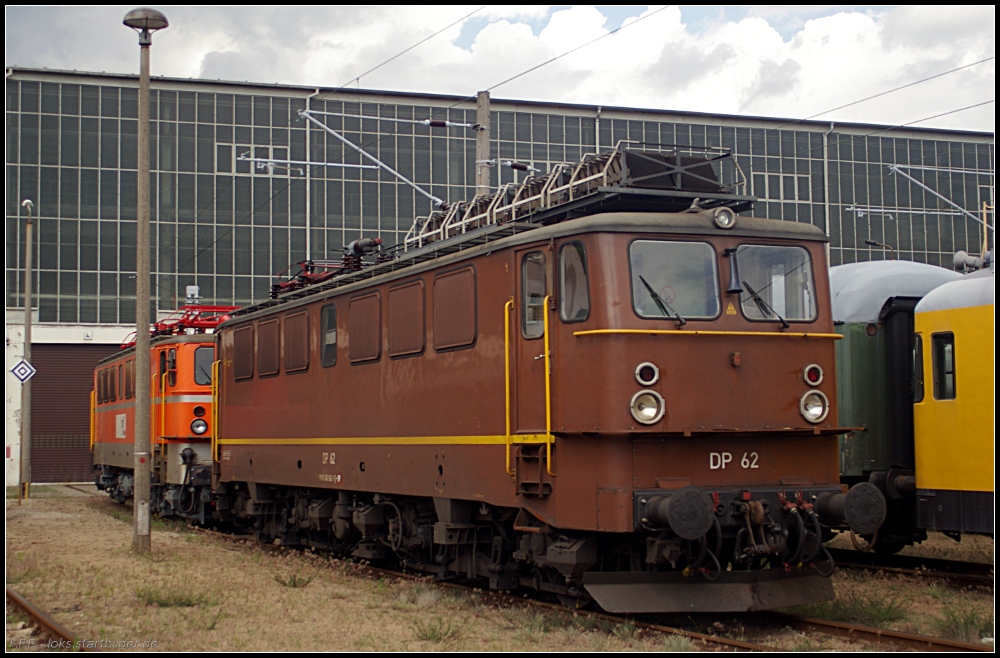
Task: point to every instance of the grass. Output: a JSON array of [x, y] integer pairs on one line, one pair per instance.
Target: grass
[[677, 644], [170, 598], [965, 624], [874, 607], [21, 568], [435, 629], [295, 580]]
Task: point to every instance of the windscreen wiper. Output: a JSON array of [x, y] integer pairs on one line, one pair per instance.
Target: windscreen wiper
[[663, 305], [763, 306]]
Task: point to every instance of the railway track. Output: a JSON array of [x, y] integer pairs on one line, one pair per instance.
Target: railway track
[[42, 631], [965, 573], [872, 638]]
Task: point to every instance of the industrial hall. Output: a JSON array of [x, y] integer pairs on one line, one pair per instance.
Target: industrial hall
[[243, 186]]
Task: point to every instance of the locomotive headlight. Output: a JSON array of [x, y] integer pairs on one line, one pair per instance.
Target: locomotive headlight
[[724, 218], [199, 426], [647, 374], [813, 374], [647, 407], [814, 406]]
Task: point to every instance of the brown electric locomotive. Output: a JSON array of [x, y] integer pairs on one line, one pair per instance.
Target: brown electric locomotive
[[601, 383]]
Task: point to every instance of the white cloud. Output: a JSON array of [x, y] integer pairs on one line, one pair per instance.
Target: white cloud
[[789, 62]]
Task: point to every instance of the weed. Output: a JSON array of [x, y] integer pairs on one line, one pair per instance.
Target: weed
[[677, 644], [295, 580], [533, 621], [627, 632], [876, 607], [167, 598], [938, 592], [21, 569], [435, 630], [964, 623], [585, 623]]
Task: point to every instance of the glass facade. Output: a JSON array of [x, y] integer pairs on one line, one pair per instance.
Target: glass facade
[[230, 225]]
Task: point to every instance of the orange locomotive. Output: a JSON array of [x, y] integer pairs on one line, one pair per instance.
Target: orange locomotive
[[181, 366]]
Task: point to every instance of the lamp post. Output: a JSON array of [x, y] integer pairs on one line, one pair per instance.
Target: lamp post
[[24, 489], [145, 22]]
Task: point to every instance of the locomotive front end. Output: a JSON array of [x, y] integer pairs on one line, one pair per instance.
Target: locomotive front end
[[701, 391]]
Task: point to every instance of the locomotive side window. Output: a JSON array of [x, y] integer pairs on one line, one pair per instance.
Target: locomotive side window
[[777, 283], [672, 279], [111, 384], [100, 387], [243, 353], [296, 342], [943, 365], [121, 382], [328, 337], [918, 368], [454, 309], [203, 358], [129, 379], [364, 328], [267, 348], [533, 295], [406, 319], [172, 368], [574, 293]]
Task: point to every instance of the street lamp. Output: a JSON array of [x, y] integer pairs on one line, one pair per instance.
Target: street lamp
[[145, 22], [24, 489]]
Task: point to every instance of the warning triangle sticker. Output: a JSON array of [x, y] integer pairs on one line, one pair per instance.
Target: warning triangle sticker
[[730, 310]]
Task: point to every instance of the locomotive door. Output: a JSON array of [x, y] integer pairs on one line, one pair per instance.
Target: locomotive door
[[528, 337]]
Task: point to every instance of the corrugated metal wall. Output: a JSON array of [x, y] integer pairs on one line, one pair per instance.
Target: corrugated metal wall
[[60, 410]]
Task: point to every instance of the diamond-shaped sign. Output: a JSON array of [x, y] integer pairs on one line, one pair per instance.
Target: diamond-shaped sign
[[23, 370]]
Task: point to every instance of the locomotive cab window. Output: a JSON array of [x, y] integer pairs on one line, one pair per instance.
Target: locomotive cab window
[[533, 295], [943, 365], [671, 279], [203, 358], [328, 337], [574, 292], [777, 283]]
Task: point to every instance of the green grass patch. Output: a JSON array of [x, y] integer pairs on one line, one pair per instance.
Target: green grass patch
[[875, 607], [436, 629], [295, 580], [965, 624]]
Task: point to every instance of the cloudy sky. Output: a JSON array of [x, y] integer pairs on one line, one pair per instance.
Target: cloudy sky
[[789, 62]]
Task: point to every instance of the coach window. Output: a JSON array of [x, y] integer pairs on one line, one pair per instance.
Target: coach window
[[243, 353], [533, 295], [328, 337], [943, 365], [203, 358], [574, 293]]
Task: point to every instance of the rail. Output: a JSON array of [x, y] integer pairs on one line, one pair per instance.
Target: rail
[[48, 628]]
